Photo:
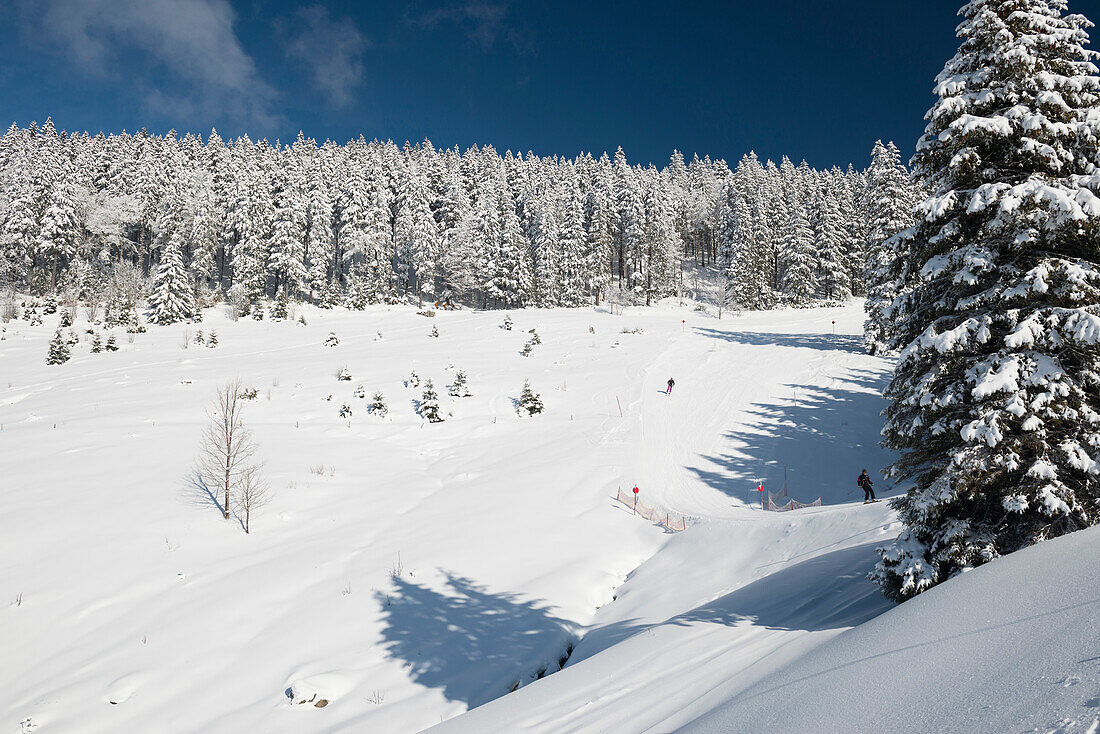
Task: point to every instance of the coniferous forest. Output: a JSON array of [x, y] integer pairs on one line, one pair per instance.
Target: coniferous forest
[[175, 223]]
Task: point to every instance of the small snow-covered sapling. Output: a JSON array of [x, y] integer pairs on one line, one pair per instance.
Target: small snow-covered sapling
[[331, 340], [212, 340], [359, 392], [434, 332], [529, 401], [343, 375], [458, 388], [429, 404], [59, 349], [414, 380], [345, 411], [378, 406], [507, 325]]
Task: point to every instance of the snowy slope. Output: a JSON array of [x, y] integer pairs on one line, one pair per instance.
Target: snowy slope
[[1010, 646], [719, 608], [408, 572]]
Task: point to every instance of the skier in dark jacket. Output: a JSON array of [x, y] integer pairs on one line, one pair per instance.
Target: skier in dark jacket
[[671, 382], [866, 485]]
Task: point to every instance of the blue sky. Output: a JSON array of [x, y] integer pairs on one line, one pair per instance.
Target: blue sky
[[813, 80]]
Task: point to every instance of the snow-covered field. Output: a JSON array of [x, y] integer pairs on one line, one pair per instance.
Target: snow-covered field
[[406, 572]]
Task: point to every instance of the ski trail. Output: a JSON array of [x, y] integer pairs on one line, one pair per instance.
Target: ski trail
[[745, 409]]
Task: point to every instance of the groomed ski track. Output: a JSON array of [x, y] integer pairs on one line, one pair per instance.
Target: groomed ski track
[[742, 593]]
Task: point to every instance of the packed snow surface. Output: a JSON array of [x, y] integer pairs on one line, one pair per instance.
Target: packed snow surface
[[408, 572], [1009, 646]]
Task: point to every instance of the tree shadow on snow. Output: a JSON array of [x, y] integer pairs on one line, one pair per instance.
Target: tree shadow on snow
[[823, 342], [829, 591], [195, 492], [471, 644], [814, 440]]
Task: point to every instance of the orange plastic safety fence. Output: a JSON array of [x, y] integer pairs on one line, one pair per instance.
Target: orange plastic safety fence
[[790, 504], [663, 518]]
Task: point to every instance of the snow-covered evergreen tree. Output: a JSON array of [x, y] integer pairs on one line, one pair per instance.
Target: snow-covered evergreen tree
[[529, 402], [573, 272], [429, 404], [172, 299], [799, 273], [888, 202], [661, 262], [288, 242], [417, 237], [280, 308], [378, 405], [994, 401], [59, 349], [57, 236], [459, 388], [829, 238], [19, 222], [742, 254], [598, 228], [511, 283]]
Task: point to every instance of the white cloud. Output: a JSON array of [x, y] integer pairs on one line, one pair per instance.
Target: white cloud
[[483, 21], [331, 49], [189, 41]]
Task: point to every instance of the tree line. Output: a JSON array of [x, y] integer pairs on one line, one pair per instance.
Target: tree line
[[372, 222]]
